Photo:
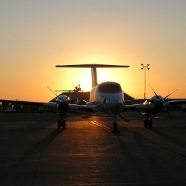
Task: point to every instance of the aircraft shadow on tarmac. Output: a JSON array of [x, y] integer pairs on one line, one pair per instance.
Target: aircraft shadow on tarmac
[[168, 137], [36, 149]]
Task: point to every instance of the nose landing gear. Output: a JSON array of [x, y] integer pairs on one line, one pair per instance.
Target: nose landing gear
[[148, 122], [61, 124], [115, 127]]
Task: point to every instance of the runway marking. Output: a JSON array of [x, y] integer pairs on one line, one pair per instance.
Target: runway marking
[[100, 125]]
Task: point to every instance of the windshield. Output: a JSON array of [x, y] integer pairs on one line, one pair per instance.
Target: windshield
[[110, 87]]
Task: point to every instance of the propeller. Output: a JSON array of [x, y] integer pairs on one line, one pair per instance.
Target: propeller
[[62, 106], [154, 91], [55, 94], [169, 95], [123, 118], [164, 100], [166, 110]]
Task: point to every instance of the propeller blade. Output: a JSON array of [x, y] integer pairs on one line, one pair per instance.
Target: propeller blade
[[169, 94], [165, 108], [169, 114], [123, 118], [154, 91], [54, 93]]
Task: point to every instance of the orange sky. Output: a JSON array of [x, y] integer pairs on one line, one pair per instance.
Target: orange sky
[[37, 35]]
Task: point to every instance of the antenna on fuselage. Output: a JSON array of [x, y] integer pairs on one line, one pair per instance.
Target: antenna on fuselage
[[93, 69]]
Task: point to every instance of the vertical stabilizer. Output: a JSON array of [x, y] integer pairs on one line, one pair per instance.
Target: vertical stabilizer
[[94, 76], [93, 69]]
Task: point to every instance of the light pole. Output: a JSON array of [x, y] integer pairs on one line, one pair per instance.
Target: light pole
[[144, 67]]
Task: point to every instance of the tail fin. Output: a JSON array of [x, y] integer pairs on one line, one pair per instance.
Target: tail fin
[[93, 69]]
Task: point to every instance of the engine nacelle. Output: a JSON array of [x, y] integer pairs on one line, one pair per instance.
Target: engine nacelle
[[62, 108]]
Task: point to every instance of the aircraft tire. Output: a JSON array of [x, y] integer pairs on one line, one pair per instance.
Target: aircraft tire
[[150, 123], [64, 124], [115, 127], [59, 124], [145, 123]]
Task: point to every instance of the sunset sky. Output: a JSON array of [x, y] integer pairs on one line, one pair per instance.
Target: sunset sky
[[36, 35]]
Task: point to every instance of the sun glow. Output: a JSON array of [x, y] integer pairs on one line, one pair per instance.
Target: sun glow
[[86, 79], [103, 75], [82, 76]]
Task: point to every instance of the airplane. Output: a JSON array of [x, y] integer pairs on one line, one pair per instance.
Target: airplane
[[106, 96], [154, 105]]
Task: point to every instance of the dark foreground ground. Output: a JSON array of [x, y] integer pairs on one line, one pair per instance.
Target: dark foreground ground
[[34, 152]]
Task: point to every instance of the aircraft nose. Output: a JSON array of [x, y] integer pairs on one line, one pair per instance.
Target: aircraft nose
[[116, 106]]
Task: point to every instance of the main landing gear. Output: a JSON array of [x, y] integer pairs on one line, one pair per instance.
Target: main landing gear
[[62, 109], [115, 128], [148, 122], [61, 124]]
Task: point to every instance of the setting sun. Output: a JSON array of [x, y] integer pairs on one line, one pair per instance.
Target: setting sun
[[67, 33]]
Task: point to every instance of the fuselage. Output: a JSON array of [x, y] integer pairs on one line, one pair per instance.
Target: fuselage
[[108, 96]]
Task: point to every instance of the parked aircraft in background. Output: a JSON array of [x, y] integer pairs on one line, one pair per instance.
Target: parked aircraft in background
[[72, 94], [76, 89]]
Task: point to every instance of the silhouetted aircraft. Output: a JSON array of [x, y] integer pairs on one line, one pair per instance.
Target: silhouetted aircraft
[[154, 105], [105, 97]]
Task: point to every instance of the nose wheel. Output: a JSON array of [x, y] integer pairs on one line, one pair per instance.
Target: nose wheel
[[115, 127], [147, 122]]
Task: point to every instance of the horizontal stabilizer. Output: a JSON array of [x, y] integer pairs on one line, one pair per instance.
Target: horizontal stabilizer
[[93, 69], [93, 66]]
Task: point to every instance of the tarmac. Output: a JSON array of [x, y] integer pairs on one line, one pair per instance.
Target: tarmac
[[34, 152]]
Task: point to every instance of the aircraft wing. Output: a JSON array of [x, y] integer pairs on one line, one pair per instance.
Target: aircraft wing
[[147, 106], [39, 104], [88, 108], [175, 102], [140, 106]]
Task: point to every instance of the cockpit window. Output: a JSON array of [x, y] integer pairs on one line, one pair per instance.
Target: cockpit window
[[110, 87]]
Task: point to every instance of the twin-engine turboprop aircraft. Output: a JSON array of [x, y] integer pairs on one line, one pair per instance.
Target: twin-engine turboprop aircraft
[[154, 105], [105, 97]]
